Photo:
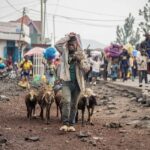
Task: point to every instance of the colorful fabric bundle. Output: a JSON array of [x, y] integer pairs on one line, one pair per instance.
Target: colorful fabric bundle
[[134, 53], [2, 65], [129, 48], [50, 53], [113, 51]]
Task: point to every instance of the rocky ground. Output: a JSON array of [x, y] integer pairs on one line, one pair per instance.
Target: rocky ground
[[120, 123]]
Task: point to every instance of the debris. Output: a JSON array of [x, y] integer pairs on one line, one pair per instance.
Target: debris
[[140, 100], [93, 142], [134, 99], [32, 139], [113, 125], [134, 110], [124, 116], [66, 141], [97, 138], [110, 107], [4, 98], [110, 113], [84, 140], [84, 134], [122, 131], [2, 140]]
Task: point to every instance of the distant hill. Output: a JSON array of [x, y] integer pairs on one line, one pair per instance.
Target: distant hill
[[93, 44]]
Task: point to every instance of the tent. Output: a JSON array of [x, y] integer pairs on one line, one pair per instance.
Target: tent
[[35, 51]]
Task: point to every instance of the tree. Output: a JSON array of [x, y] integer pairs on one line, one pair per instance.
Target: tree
[[145, 12], [126, 34]]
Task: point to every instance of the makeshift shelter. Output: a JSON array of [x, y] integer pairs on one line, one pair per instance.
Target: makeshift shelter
[[37, 54], [35, 51]]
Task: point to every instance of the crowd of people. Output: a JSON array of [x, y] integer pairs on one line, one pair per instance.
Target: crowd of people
[[128, 65]]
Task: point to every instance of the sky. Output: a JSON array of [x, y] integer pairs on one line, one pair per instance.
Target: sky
[[76, 15]]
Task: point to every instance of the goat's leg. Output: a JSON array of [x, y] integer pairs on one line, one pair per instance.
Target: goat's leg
[[91, 121], [30, 113], [57, 115], [34, 112], [47, 114], [76, 119], [83, 117], [41, 113], [60, 110], [27, 112], [88, 114]]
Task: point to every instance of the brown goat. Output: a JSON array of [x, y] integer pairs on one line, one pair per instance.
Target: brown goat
[[87, 100], [45, 100], [31, 101], [58, 100]]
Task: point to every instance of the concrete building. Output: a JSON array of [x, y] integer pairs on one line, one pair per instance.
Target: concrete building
[[11, 38], [35, 28]]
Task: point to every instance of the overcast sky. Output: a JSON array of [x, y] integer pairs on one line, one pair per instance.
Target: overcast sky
[[110, 13]]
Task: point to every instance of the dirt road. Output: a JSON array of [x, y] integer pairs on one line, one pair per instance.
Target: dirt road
[[119, 124]]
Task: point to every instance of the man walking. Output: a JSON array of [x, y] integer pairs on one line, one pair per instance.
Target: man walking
[[142, 68], [72, 68]]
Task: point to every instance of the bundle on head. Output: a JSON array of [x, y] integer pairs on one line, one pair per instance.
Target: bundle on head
[[45, 100], [31, 101], [87, 100]]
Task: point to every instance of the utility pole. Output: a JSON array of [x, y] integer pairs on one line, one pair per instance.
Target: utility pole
[[42, 30], [44, 19], [21, 33], [54, 28]]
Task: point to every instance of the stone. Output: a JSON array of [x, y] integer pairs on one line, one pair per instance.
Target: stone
[[4, 98], [133, 99], [140, 100], [113, 125], [124, 116], [122, 131], [110, 98], [110, 113], [134, 110], [83, 134], [130, 96], [32, 138], [97, 138], [111, 107], [2, 140], [93, 142], [66, 141], [84, 140], [145, 118], [128, 109], [125, 94]]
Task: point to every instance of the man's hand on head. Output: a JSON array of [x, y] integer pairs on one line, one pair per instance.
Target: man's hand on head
[[71, 34]]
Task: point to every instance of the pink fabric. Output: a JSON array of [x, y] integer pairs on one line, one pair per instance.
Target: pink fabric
[[35, 50]]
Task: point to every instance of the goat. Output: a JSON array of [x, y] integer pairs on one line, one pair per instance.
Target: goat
[[31, 101], [58, 97], [87, 100], [45, 100], [58, 101]]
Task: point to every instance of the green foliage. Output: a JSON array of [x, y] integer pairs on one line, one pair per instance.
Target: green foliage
[[126, 33], [145, 12]]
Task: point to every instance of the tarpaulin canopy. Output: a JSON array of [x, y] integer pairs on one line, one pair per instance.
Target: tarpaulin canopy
[[35, 50]]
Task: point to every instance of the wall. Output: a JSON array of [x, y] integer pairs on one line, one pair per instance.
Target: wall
[[2, 45], [11, 31]]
